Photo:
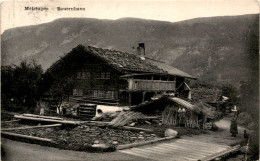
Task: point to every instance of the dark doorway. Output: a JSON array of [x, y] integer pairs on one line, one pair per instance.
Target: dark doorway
[[124, 98], [148, 96], [64, 111], [136, 98]]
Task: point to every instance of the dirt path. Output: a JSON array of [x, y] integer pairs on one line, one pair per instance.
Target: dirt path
[[222, 136], [225, 125]]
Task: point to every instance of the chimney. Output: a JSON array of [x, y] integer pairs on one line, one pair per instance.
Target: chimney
[[141, 50]]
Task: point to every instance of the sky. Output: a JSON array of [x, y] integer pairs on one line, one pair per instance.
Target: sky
[[13, 13]]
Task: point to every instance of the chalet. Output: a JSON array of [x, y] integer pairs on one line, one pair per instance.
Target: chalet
[[118, 78]]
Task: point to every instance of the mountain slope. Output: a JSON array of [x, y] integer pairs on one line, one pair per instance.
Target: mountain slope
[[214, 49]]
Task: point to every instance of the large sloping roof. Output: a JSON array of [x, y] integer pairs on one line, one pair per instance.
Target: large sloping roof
[[132, 62], [124, 61], [169, 69]]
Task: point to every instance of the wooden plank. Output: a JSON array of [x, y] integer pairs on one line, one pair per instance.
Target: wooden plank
[[27, 137], [9, 121], [32, 127], [222, 153], [47, 120], [40, 116]]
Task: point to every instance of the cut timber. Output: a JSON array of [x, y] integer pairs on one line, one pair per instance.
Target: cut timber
[[40, 116], [32, 127], [47, 120], [27, 137], [9, 121]]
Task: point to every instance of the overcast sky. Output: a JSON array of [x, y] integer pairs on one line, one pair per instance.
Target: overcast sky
[[13, 13]]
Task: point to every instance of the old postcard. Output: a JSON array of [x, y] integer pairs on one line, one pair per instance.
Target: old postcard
[[130, 80]]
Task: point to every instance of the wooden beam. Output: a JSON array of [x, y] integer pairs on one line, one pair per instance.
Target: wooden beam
[[41, 116], [32, 127], [47, 120], [143, 96], [129, 99], [27, 137], [9, 121]]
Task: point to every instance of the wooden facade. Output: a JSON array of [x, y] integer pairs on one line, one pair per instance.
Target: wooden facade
[[97, 83]]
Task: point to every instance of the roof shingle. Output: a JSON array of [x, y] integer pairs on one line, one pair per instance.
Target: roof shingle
[[123, 61]]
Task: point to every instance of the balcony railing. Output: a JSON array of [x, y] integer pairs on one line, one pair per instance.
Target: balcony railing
[[151, 85]]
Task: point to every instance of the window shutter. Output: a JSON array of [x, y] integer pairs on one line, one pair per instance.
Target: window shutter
[[75, 92]]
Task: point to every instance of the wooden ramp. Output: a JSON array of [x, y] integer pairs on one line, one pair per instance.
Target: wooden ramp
[[178, 150]]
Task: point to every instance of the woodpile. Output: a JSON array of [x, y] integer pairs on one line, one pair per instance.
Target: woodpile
[[169, 116]]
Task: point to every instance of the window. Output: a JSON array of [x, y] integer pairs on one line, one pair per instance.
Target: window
[[88, 75], [103, 75], [107, 75], [77, 92], [83, 75], [108, 94], [105, 94], [96, 75], [114, 95], [79, 75], [95, 93], [101, 94], [80, 92]]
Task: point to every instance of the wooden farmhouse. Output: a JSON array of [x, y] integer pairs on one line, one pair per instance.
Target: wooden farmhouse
[[112, 77]]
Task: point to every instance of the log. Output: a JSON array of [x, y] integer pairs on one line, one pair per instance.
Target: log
[[31, 127], [40, 116], [27, 137], [47, 120], [9, 121]]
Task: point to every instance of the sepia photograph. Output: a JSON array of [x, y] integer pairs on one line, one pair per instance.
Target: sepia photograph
[[133, 80]]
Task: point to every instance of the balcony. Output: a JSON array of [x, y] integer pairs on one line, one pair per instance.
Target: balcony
[[150, 85]]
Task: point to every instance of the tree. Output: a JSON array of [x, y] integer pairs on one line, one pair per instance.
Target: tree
[[19, 85], [61, 90], [231, 92]]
